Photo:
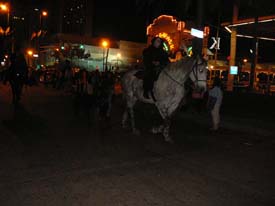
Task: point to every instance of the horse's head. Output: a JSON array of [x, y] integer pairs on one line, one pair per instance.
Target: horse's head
[[198, 74]]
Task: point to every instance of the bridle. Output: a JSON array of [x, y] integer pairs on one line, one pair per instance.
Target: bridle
[[195, 71]]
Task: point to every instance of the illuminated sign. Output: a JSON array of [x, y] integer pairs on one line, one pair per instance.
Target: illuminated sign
[[167, 38], [216, 43], [165, 47], [233, 70], [197, 33], [189, 51]]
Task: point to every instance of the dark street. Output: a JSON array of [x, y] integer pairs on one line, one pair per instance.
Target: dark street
[[51, 157]]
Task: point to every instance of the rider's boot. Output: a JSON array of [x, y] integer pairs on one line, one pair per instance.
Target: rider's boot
[[153, 96], [145, 94]]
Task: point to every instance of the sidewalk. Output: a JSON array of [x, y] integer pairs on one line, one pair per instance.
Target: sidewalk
[[256, 127]]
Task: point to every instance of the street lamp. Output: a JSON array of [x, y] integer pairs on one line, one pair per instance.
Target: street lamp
[[43, 14], [105, 45], [29, 54], [4, 8]]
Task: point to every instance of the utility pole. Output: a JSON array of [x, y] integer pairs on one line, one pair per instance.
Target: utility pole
[[233, 45], [254, 59]]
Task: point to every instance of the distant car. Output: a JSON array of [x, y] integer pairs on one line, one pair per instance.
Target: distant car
[[47, 76]]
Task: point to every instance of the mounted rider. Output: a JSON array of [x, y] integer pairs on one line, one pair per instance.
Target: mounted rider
[[154, 59]]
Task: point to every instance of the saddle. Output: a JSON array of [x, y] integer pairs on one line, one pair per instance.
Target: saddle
[[140, 74]]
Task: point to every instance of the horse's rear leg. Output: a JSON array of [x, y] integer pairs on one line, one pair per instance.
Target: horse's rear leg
[[130, 111], [125, 118], [133, 123]]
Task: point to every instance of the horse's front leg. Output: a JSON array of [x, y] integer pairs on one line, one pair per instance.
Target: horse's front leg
[[166, 130]]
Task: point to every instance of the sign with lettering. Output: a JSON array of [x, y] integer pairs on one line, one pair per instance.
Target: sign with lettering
[[233, 70], [216, 43], [197, 33]]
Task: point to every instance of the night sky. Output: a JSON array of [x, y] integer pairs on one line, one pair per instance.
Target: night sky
[[127, 20]]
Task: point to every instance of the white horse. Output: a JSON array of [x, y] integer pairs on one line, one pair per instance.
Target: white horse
[[169, 90]]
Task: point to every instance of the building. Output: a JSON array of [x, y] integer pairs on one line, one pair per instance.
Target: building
[[88, 53], [175, 33]]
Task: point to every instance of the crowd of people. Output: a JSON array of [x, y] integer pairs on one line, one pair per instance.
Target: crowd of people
[[90, 89]]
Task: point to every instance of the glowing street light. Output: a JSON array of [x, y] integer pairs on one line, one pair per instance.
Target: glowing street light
[[4, 7], [30, 55], [44, 13], [105, 44], [244, 60], [30, 52]]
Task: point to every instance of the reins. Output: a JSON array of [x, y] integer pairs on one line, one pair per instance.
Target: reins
[[195, 72]]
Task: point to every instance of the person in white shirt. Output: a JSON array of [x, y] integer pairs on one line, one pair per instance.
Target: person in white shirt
[[214, 102]]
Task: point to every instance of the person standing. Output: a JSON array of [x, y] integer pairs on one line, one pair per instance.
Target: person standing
[[214, 103], [17, 74]]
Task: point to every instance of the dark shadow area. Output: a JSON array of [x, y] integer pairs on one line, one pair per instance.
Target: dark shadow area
[[27, 127], [248, 105]]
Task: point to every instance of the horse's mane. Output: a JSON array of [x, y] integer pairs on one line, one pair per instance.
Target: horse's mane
[[180, 64]]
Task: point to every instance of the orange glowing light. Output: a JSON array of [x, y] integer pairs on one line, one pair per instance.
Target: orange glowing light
[[105, 43], [4, 7], [44, 13], [30, 52]]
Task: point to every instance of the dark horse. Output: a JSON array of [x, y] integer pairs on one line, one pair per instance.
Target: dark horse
[[169, 90]]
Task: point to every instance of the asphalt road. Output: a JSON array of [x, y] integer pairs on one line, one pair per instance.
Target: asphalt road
[[49, 156]]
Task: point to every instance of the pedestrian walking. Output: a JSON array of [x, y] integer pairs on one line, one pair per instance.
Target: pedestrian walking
[[214, 103]]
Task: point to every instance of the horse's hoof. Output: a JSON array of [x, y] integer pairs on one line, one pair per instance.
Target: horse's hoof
[[154, 130], [157, 130]]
